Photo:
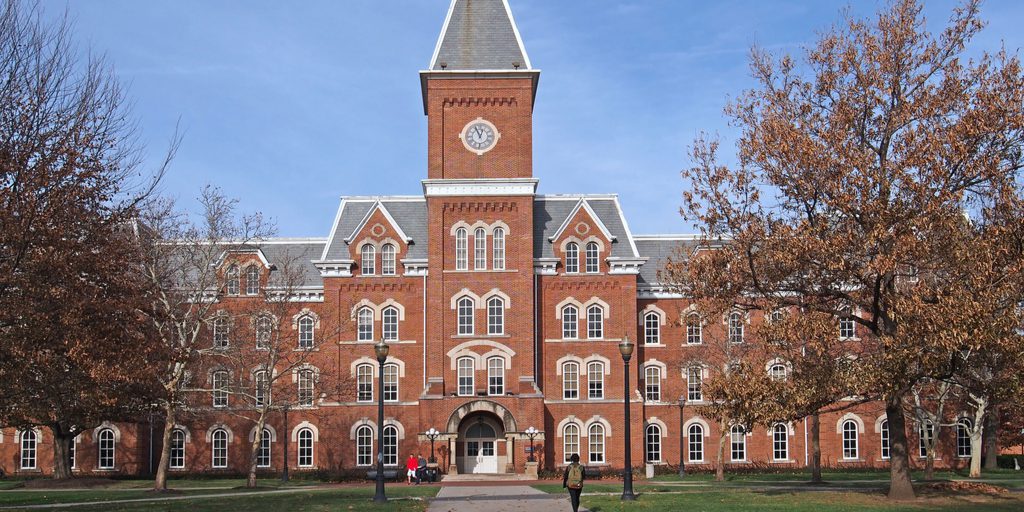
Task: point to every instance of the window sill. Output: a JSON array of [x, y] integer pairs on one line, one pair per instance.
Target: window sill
[[653, 345], [366, 342]]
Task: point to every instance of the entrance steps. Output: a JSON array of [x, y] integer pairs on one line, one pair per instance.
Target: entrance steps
[[485, 477]]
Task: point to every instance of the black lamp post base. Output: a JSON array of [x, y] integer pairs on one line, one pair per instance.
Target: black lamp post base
[[628, 496]]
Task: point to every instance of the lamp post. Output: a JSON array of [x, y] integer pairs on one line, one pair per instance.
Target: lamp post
[[531, 433], [682, 439], [381, 350], [626, 349], [432, 434]]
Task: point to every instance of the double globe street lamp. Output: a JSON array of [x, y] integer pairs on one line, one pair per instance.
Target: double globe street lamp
[[432, 434], [531, 433], [381, 349]]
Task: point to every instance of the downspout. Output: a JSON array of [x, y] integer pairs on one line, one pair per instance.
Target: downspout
[[536, 331], [423, 343], [807, 457]]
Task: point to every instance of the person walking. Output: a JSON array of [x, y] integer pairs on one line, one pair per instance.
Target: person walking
[[410, 469], [572, 479]]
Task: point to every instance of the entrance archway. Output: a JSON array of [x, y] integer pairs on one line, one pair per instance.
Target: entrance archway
[[481, 436]]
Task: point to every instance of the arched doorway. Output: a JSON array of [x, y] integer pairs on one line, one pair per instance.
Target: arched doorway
[[481, 437]]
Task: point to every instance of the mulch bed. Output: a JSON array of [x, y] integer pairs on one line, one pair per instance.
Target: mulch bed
[[961, 487]]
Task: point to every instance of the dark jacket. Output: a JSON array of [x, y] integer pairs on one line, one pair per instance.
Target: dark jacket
[[565, 474]]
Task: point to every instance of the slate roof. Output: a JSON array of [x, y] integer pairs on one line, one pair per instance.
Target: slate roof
[[479, 35], [302, 251], [409, 212], [658, 249], [549, 212]]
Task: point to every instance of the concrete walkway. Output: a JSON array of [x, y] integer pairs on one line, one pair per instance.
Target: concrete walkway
[[505, 498]]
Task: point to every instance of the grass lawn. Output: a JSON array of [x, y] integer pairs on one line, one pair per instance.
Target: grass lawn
[[741, 500]]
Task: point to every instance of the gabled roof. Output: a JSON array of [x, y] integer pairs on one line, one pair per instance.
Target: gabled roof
[[407, 213], [377, 205], [479, 35], [551, 211], [582, 205]]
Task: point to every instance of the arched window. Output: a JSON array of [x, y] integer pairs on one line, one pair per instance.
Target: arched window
[[261, 391], [595, 322], [252, 280], [220, 332], [391, 383], [925, 434], [461, 249], [652, 328], [846, 328], [570, 441], [479, 249], [305, 448], [780, 442], [390, 445], [368, 260], [593, 254], [495, 316], [364, 446], [570, 323], [496, 376], [572, 258], [653, 435], [778, 372], [231, 280], [465, 314], [596, 447], [694, 334], [263, 455], [466, 369], [305, 387], [963, 437], [498, 257], [850, 449], [220, 388], [696, 443], [695, 384], [735, 327], [570, 381], [387, 260], [364, 383], [177, 449], [220, 448], [264, 329], [29, 442], [364, 323], [738, 443], [884, 434], [389, 320], [595, 380], [652, 383], [306, 325]]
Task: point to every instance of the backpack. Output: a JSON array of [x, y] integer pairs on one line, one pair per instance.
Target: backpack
[[575, 479]]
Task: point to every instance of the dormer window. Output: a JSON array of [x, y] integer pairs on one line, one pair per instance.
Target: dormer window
[[231, 284], [368, 255], [592, 258], [252, 280], [572, 258]]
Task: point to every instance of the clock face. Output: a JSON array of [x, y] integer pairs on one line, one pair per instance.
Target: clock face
[[479, 136]]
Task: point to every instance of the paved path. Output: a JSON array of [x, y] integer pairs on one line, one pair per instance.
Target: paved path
[[505, 498]]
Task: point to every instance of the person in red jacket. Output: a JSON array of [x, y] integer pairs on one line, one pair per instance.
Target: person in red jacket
[[410, 468]]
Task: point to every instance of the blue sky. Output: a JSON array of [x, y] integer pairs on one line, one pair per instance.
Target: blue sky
[[289, 105]]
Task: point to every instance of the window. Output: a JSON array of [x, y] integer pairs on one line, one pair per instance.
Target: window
[[694, 384], [498, 257], [780, 442], [364, 446], [364, 383], [305, 448], [28, 449], [252, 280], [596, 450], [885, 439], [465, 313], [461, 249], [735, 327], [364, 324], [695, 436], [220, 448], [572, 258], [592, 258], [466, 368], [652, 383], [389, 320], [777, 372], [738, 443], [963, 437], [925, 434], [495, 376], [391, 383], [387, 260], [849, 439], [694, 336], [177, 449], [220, 388], [263, 455], [73, 453], [220, 332], [846, 328], [570, 441], [231, 278], [570, 322], [595, 322], [652, 328], [390, 445], [369, 255], [306, 325], [264, 328], [261, 393], [305, 384], [653, 435], [495, 316], [595, 381], [570, 381], [479, 249]]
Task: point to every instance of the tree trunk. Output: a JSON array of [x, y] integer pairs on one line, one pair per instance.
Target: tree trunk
[[720, 457], [929, 461], [816, 449], [61, 455], [254, 449], [900, 487], [978, 427], [991, 439], [160, 483]]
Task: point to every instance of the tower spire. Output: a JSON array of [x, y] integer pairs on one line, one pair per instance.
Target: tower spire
[[479, 35]]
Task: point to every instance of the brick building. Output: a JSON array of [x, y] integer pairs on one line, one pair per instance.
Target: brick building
[[503, 309]]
